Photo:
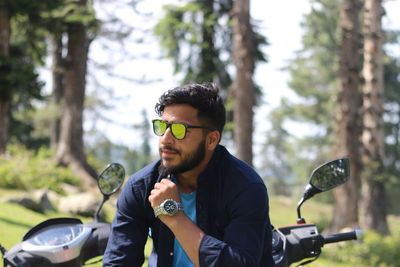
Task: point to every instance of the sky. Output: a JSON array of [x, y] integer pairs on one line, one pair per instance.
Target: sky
[[279, 21]]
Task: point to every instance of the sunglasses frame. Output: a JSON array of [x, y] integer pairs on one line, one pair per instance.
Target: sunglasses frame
[[169, 124]]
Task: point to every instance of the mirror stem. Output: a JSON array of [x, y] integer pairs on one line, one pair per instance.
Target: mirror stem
[[308, 193], [300, 220], [97, 214]]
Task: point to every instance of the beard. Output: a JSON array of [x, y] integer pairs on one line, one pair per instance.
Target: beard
[[188, 163]]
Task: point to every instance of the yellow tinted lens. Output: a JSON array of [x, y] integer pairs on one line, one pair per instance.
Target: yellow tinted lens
[[178, 130], [159, 127]]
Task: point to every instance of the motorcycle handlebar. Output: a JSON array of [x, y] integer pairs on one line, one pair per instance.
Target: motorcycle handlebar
[[333, 238]]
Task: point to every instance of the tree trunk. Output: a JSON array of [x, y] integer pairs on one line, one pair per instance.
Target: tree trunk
[[70, 148], [373, 203], [5, 105], [348, 118], [58, 87], [208, 55], [243, 87]]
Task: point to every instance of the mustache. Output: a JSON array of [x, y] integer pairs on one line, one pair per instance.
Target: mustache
[[169, 148]]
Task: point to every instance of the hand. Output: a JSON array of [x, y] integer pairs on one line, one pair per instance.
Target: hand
[[165, 189]]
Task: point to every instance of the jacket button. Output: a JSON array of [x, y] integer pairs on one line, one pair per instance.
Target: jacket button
[[171, 254]]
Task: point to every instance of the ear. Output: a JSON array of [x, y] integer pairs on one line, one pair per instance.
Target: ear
[[212, 140]]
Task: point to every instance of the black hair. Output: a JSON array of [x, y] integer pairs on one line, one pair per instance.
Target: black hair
[[204, 97]]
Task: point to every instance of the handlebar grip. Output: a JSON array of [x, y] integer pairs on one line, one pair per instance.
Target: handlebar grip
[[333, 238]]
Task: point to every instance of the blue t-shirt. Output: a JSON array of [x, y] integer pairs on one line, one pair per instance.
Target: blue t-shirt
[[189, 207]]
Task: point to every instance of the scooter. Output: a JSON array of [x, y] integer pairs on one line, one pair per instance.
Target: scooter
[[302, 241], [67, 242]]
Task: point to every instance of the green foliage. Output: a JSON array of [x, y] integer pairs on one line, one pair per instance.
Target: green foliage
[[373, 250], [313, 71], [20, 86], [145, 149], [31, 23], [102, 152], [28, 26], [276, 165], [71, 12], [312, 79], [189, 25], [25, 169], [18, 79], [30, 8], [392, 113], [197, 37]]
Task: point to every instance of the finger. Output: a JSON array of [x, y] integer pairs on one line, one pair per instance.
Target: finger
[[158, 185], [167, 185], [166, 181], [152, 199], [154, 192]]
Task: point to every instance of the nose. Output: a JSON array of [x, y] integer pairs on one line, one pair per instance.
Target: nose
[[167, 138]]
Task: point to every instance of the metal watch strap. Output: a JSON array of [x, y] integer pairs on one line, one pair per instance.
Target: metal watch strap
[[160, 210]]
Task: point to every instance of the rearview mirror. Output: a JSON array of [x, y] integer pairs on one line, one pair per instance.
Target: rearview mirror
[[323, 178], [111, 179], [330, 174]]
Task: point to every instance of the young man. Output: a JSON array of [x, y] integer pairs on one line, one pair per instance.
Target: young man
[[201, 205]]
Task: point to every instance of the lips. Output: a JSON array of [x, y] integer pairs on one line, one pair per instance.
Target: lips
[[168, 151]]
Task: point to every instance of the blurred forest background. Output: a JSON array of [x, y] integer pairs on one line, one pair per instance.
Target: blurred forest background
[[345, 82]]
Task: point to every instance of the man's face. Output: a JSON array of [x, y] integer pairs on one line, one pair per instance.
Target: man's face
[[178, 156]]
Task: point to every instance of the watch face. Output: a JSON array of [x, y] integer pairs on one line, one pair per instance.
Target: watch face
[[170, 207]]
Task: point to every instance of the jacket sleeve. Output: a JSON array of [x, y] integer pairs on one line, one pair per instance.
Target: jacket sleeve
[[245, 233], [128, 232]]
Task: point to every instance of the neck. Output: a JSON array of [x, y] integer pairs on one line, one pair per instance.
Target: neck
[[187, 181]]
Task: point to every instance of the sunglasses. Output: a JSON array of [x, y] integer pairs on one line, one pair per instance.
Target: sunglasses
[[178, 129]]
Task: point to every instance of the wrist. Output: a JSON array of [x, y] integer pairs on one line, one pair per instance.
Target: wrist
[[174, 221]]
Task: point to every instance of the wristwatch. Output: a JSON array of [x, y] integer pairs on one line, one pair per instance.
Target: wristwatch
[[168, 207]]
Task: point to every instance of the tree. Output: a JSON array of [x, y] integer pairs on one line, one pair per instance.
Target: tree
[[198, 36], [21, 50], [276, 165], [58, 87], [5, 32], [373, 203], [348, 118], [144, 151], [313, 79], [195, 36], [392, 113], [244, 50], [70, 149], [392, 126]]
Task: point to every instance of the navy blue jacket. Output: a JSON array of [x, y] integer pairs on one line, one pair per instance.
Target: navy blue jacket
[[231, 206]]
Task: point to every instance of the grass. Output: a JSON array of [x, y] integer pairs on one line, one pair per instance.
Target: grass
[[283, 211], [15, 221]]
